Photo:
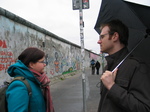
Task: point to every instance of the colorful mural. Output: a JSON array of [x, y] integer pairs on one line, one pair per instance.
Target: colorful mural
[[62, 56]]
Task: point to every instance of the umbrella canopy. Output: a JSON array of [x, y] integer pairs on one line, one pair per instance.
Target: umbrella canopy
[[137, 19]]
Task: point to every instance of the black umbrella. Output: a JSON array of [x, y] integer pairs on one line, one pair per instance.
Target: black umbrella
[[136, 17]]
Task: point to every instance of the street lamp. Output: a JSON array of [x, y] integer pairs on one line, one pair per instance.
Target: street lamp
[[79, 5]]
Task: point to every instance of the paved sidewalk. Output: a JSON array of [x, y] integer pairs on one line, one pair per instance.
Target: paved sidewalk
[[92, 91], [67, 93]]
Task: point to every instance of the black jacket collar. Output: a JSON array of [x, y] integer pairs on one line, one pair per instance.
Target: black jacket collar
[[114, 59]]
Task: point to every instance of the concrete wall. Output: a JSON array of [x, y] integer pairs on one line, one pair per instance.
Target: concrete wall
[[16, 34]]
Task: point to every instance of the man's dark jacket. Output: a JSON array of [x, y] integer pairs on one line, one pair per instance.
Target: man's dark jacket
[[131, 91]]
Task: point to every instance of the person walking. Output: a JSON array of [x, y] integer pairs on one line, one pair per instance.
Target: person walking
[[30, 65], [127, 88], [97, 66], [93, 66]]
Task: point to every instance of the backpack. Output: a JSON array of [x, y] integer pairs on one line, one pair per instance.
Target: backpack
[[92, 62], [3, 103]]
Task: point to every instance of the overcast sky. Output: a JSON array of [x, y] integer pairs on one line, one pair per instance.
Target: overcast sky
[[58, 17]]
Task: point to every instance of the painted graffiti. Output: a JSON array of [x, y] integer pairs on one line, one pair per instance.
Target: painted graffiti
[[3, 44], [52, 71], [93, 56], [6, 57], [68, 71], [60, 63], [56, 63]]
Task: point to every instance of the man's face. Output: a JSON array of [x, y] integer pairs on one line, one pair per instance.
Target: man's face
[[105, 40]]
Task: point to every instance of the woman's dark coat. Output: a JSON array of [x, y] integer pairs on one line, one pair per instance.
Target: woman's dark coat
[[131, 91]]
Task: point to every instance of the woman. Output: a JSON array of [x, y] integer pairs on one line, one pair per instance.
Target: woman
[[30, 65]]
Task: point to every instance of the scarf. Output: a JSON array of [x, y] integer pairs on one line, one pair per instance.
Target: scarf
[[44, 80]]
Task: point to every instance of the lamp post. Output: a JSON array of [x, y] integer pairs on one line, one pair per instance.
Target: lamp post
[[79, 5], [81, 23]]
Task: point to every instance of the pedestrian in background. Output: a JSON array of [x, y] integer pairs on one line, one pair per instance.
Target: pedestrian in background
[[30, 65], [97, 66], [127, 88], [92, 66]]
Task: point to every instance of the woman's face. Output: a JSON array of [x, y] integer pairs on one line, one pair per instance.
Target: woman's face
[[38, 66]]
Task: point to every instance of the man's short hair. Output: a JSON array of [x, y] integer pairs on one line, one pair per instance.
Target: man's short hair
[[119, 27]]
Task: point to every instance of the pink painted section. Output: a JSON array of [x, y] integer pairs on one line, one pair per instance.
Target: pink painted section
[[93, 56]]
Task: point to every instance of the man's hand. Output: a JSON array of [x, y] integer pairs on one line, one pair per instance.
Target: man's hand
[[108, 78]]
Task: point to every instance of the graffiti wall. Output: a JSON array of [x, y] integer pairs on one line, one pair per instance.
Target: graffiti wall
[[16, 34]]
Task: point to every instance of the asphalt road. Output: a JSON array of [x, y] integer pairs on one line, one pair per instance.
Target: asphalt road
[[67, 94]]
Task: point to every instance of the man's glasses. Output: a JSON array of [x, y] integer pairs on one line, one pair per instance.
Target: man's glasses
[[102, 36]]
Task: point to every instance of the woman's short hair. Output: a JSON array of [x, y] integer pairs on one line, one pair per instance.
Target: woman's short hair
[[31, 54]]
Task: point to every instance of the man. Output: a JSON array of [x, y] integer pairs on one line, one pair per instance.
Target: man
[[97, 66], [127, 88]]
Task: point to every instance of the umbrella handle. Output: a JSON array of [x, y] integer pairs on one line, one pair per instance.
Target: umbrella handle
[[131, 52]]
